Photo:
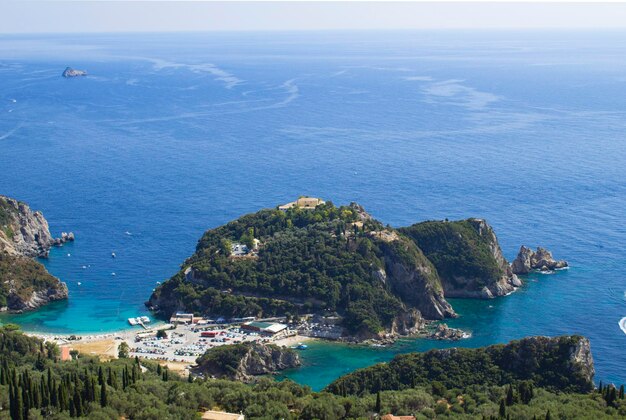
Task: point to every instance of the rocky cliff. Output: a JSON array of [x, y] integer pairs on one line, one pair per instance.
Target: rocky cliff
[[542, 260], [244, 361], [412, 276], [467, 257], [24, 234]]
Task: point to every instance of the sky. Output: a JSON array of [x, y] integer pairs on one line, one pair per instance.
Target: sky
[[81, 16]]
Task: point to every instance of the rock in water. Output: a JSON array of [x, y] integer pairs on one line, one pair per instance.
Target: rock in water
[[70, 72], [542, 260], [443, 332]]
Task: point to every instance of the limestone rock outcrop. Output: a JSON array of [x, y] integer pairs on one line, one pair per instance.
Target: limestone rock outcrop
[[467, 256], [542, 260], [244, 361], [24, 234], [443, 332]]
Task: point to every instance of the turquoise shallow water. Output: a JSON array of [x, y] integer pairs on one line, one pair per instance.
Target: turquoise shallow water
[[173, 134]]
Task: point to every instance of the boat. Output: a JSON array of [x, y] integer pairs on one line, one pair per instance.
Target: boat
[[132, 321], [79, 283], [113, 255], [144, 319], [302, 346]]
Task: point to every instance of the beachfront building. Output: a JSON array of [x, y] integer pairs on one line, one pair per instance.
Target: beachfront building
[[307, 203], [265, 328], [221, 415], [182, 318]]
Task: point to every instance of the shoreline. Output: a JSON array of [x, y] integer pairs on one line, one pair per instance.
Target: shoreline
[[82, 337]]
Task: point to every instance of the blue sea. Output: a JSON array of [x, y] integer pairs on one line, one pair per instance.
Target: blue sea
[[170, 135]]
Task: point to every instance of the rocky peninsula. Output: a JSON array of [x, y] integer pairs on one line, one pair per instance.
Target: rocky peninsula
[[24, 235], [244, 361], [560, 363], [375, 281]]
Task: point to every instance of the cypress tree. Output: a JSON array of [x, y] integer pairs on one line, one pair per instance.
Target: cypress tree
[[548, 417], [502, 411], [378, 402], [49, 378], [621, 392], [100, 376], [78, 403], [54, 397], [103, 396], [509, 396]]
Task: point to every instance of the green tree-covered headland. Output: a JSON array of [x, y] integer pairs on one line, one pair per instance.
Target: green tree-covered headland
[[337, 260]]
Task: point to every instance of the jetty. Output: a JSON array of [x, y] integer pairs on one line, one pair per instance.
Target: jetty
[[140, 320]]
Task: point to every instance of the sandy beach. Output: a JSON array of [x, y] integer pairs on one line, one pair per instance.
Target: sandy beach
[[105, 346]]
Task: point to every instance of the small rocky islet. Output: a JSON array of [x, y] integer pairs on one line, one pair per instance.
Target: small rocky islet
[[70, 72]]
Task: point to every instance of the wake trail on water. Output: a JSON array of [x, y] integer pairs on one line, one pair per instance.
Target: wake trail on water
[[622, 324], [10, 132]]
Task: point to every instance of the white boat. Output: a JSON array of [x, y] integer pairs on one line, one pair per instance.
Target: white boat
[[132, 321], [79, 283], [113, 255], [145, 319]]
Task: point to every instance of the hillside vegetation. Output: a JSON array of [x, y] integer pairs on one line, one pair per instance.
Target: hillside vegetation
[[34, 384], [338, 260], [558, 364], [330, 259], [20, 278]]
